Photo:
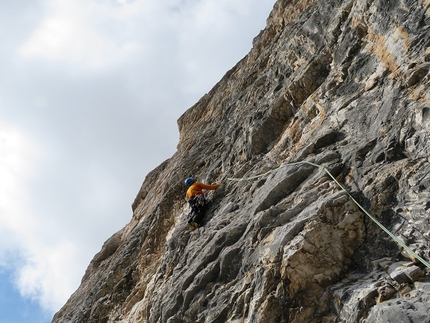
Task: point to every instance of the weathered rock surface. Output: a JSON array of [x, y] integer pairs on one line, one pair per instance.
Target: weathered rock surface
[[339, 83]]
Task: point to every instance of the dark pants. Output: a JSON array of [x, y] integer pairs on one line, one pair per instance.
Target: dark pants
[[198, 209]]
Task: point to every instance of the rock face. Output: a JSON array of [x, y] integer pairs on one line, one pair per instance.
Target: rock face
[[337, 83]]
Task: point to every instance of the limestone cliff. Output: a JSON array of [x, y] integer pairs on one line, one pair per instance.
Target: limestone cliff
[[337, 83]]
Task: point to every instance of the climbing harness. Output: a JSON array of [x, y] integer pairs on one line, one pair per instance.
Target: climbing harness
[[396, 239], [197, 211]]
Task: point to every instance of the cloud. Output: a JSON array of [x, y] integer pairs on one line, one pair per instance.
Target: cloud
[[77, 31], [41, 265], [18, 158], [41, 277], [42, 248]]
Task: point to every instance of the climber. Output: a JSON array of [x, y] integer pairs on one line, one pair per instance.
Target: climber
[[197, 201]]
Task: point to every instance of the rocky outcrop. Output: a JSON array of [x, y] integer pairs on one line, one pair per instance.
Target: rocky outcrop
[[336, 83]]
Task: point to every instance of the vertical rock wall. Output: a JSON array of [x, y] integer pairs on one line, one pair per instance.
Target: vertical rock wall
[[338, 83]]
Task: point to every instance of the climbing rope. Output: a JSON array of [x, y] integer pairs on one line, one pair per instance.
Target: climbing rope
[[396, 239]]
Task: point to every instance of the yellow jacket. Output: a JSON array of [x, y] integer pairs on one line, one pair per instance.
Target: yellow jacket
[[197, 189]]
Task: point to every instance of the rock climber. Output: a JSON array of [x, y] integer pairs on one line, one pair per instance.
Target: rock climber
[[197, 201]]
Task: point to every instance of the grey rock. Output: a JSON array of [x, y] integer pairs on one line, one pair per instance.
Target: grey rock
[[413, 308], [404, 272]]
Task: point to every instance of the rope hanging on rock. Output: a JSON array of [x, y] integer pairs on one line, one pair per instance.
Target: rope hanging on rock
[[396, 239]]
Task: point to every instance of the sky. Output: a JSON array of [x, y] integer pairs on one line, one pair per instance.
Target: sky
[[90, 91]]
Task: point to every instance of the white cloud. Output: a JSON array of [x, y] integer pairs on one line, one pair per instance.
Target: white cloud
[[41, 278], [40, 258], [18, 158], [98, 33], [81, 32]]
